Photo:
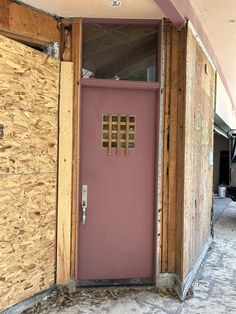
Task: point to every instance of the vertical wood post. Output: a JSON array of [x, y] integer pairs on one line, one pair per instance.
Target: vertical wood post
[[77, 60], [70, 50], [170, 138], [64, 175]]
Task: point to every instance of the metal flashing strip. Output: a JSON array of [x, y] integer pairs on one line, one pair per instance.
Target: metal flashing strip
[[30, 302], [172, 280], [182, 287], [220, 131]]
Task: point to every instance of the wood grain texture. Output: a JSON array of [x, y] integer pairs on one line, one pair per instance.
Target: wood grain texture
[[198, 174], [4, 13], [171, 45], [188, 142], [28, 94], [180, 170], [21, 22], [27, 235], [28, 171], [76, 47], [65, 174], [165, 198], [173, 122]]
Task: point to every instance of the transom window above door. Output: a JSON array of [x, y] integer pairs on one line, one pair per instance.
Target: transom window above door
[[120, 52]]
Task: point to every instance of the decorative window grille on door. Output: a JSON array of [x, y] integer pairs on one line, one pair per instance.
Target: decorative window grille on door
[[118, 133]]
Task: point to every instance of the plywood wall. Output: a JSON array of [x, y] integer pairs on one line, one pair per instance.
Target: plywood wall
[[188, 145], [197, 153], [28, 163]]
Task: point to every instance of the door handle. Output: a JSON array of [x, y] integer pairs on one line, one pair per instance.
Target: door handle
[[84, 203]]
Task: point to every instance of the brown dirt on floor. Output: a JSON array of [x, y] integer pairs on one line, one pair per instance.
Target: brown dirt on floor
[[65, 299]]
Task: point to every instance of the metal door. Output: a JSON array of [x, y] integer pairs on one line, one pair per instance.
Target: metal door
[[116, 231]]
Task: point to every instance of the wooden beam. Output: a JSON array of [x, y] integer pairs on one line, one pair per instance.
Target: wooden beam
[[174, 80], [23, 23], [172, 12], [4, 13], [65, 174], [172, 73], [165, 197], [76, 47], [181, 153]]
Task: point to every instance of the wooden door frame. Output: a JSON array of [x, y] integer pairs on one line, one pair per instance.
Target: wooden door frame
[[76, 58]]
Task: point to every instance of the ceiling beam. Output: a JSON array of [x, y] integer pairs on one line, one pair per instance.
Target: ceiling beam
[[172, 12], [25, 24]]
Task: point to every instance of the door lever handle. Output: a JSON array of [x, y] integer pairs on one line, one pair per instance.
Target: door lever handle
[[84, 203], [84, 207]]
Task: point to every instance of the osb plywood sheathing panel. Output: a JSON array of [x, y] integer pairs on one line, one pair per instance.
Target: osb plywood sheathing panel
[[198, 172], [28, 163]]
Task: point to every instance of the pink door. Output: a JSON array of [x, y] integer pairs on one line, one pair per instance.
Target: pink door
[[118, 168]]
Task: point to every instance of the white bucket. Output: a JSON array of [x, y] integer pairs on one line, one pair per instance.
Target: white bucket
[[221, 191]]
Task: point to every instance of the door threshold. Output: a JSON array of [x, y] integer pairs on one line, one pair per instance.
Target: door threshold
[[116, 283]]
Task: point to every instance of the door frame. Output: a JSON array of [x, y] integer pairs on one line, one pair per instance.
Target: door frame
[[78, 83]]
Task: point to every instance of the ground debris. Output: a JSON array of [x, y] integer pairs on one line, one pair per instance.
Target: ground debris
[[92, 296]]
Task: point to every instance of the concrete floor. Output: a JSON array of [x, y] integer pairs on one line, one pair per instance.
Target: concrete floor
[[214, 290]]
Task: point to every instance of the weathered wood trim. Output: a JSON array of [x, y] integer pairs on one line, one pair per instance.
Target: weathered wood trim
[[65, 174], [179, 244], [165, 208], [70, 50], [77, 61], [25, 24], [159, 152], [174, 80], [171, 47]]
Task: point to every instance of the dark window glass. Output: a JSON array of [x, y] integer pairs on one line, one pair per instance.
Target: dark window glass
[[120, 52]]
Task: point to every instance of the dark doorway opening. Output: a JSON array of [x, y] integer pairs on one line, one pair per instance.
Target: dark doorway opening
[[224, 168]]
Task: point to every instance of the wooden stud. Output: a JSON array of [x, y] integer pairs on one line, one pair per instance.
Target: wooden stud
[[181, 154], [171, 44], [77, 61], [62, 41], [64, 175], [165, 208], [174, 81]]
